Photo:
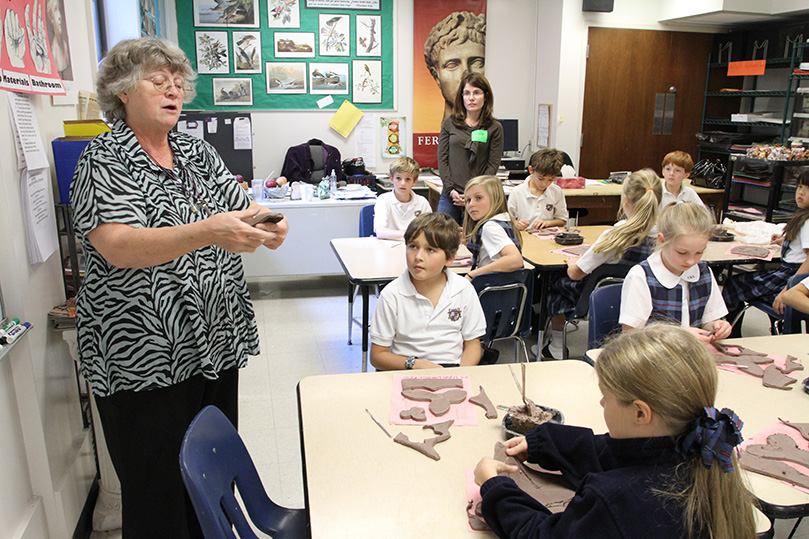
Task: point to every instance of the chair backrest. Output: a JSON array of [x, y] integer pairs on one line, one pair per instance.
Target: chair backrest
[[367, 221], [794, 320], [611, 273], [505, 298], [605, 308], [213, 459]]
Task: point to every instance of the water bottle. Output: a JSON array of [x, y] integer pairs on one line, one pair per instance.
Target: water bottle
[[333, 182]]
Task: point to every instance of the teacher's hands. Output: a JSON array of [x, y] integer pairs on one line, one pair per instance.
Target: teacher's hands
[[230, 232], [457, 198]]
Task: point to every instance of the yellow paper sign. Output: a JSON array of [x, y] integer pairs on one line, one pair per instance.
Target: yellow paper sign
[[345, 119]]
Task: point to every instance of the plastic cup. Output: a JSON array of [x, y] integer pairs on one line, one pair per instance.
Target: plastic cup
[[258, 189]]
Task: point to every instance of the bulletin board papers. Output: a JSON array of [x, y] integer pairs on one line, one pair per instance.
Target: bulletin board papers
[[365, 140], [29, 141], [345, 119], [37, 198], [544, 126]]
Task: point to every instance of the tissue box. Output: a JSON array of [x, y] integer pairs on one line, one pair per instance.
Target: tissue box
[[570, 183]]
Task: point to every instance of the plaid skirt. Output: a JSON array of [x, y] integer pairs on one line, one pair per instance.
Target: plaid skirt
[[564, 294], [757, 285]]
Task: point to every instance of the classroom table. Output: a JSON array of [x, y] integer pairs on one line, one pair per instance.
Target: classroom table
[[359, 483], [601, 200], [538, 252], [760, 407]]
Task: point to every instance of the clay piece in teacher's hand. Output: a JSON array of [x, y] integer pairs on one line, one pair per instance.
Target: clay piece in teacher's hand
[[483, 400], [803, 428], [773, 468], [780, 447], [427, 447], [791, 365], [776, 379], [750, 250], [431, 384], [415, 413], [439, 402]]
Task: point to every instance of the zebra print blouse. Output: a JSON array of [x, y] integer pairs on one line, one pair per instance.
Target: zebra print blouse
[[141, 329]]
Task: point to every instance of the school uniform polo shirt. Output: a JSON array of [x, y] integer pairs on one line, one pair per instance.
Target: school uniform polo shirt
[[686, 195], [390, 213], [636, 299], [795, 250], [407, 322], [523, 204], [493, 239]]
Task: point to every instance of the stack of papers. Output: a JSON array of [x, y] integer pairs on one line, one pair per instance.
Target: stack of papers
[[353, 191]]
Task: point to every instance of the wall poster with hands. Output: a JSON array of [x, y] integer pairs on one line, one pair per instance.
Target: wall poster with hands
[[26, 61]]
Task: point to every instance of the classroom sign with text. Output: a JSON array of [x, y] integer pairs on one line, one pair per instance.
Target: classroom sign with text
[[449, 38], [26, 61]]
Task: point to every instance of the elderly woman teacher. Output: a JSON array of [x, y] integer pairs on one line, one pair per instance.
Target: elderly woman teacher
[[164, 317]]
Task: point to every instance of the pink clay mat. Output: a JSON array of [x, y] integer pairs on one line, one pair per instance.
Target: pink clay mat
[[780, 428]]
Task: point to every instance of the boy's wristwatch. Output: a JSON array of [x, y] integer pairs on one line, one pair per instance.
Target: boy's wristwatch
[[409, 362]]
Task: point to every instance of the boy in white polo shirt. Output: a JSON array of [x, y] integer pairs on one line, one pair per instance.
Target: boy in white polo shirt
[[677, 167], [393, 211], [428, 317], [537, 202]]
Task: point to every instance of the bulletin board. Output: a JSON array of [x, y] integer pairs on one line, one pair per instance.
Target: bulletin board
[[221, 138], [288, 54]]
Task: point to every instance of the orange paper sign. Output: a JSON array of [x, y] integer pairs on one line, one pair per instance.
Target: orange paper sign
[[749, 67]]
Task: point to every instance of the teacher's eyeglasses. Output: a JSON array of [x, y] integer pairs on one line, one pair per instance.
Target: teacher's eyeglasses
[[163, 84]]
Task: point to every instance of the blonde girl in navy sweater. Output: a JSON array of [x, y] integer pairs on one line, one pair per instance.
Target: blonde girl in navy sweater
[[666, 469]]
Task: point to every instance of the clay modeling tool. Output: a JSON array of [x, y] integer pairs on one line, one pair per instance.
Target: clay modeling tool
[[516, 381], [378, 423], [525, 402]]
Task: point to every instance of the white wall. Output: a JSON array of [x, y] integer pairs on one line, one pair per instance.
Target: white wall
[[47, 465]]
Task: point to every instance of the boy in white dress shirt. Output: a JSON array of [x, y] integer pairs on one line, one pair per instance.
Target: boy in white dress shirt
[[393, 211], [428, 317], [537, 202], [676, 168]]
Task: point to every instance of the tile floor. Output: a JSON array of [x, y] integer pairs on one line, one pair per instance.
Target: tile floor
[[302, 323]]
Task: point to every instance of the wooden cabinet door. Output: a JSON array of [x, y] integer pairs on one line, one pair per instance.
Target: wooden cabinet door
[[627, 71]]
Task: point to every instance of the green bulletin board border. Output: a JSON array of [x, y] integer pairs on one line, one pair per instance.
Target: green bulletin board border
[[309, 23]]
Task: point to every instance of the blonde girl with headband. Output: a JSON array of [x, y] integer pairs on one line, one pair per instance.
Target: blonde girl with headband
[[491, 232], [666, 468], [673, 284], [630, 241]]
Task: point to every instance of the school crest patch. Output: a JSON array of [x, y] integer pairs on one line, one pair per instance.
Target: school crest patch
[[454, 314], [549, 207], [417, 213]]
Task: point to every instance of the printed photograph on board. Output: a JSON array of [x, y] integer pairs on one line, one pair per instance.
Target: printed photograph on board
[[286, 77], [247, 52], [328, 78], [369, 36], [284, 13], [294, 44], [367, 77], [226, 13], [232, 91], [58, 38], [212, 52], [334, 34]]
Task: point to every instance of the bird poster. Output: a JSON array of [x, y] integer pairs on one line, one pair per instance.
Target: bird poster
[[367, 78], [369, 40], [334, 34], [226, 13], [247, 52], [284, 14], [26, 61], [212, 52]]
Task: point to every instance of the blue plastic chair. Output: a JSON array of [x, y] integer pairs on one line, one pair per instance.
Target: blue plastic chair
[[605, 310], [367, 221], [366, 231], [795, 321], [505, 298], [605, 274], [213, 459]]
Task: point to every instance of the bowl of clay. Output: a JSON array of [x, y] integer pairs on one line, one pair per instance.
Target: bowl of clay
[[511, 430], [569, 238]]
